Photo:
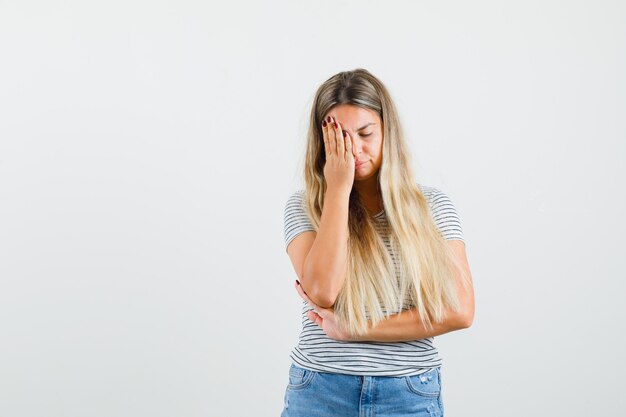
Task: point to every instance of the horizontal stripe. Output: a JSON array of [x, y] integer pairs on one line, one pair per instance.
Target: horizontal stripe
[[318, 352]]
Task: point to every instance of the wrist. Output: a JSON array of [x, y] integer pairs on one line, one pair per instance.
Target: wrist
[[365, 337], [338, 192]]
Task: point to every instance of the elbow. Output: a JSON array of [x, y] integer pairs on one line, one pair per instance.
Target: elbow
[[466, 314], [322, 298], [320, 295], [325, 303], [466, 319]]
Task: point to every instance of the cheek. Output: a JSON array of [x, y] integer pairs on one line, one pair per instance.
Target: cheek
[[379, 145]]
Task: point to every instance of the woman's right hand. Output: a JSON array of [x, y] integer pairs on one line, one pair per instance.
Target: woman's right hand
[[339, 167]]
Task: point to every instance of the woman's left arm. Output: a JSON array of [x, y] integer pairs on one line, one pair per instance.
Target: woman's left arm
[[407, 325]]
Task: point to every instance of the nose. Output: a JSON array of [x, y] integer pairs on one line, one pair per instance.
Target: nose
[[357, 144]]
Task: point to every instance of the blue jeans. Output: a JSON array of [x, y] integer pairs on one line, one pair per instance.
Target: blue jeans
[[322, 394]]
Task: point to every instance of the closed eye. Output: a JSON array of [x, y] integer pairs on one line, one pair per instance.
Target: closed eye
[[369, 134]]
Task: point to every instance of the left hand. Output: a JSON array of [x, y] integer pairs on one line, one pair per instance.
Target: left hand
[[325, 318]]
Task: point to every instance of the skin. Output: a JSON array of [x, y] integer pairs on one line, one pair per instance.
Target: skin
[[352, 133], [364, 142], [404, 326], [324, 317]]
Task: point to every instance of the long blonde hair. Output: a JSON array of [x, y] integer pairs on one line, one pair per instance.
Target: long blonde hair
[[373, 289]]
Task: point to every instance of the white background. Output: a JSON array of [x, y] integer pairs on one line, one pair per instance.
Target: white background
[[147, 149]]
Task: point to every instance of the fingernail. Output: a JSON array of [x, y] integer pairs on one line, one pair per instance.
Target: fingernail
[[328, 119], [336, 125], [324, 123], [297, 282], [345, 134]]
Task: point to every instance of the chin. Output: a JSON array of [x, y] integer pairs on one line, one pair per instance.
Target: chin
[[362, 177]]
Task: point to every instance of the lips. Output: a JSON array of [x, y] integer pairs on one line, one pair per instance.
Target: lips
[[358, 164]]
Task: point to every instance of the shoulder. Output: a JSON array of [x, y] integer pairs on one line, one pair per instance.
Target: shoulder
[[295, 200], [437, 198], [443, 211], [296, 219]]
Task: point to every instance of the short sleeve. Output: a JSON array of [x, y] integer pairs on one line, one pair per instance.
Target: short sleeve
[[445, 215], [296, 219]]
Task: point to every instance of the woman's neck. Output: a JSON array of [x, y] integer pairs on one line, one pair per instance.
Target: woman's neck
[[370, 197]]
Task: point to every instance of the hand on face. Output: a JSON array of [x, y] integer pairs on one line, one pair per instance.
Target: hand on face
[[339, 167]]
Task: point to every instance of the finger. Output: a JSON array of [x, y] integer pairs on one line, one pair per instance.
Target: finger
[[332, 141], [301, 292], [325, 137], [306, 297], [348, 143], [341, 147], [314, 317], [322, 312]]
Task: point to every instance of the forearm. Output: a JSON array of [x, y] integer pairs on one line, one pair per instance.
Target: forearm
[[325, 265], [407, 326]]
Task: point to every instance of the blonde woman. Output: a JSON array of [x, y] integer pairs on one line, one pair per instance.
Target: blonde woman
[[380, 260]]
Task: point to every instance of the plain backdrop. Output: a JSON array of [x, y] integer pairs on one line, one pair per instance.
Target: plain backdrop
[[147, 149]]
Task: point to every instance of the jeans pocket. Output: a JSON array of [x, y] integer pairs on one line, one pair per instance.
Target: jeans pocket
[[299, 378], [440, 385], [426, 384]]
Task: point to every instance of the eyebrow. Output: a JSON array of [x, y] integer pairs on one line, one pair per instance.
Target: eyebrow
[[361, 128]]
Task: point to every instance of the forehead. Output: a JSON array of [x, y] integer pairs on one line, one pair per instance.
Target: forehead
[[353, 117]]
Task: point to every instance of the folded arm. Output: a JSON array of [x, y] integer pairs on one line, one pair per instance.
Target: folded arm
[[407, 325]]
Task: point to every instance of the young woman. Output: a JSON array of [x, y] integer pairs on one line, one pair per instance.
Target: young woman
[[380, 260]]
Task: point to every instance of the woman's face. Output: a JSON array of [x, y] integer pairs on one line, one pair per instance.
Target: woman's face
[[365, 129]]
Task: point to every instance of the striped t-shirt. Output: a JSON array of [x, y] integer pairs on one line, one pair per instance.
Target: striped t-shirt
[[318, 352]]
